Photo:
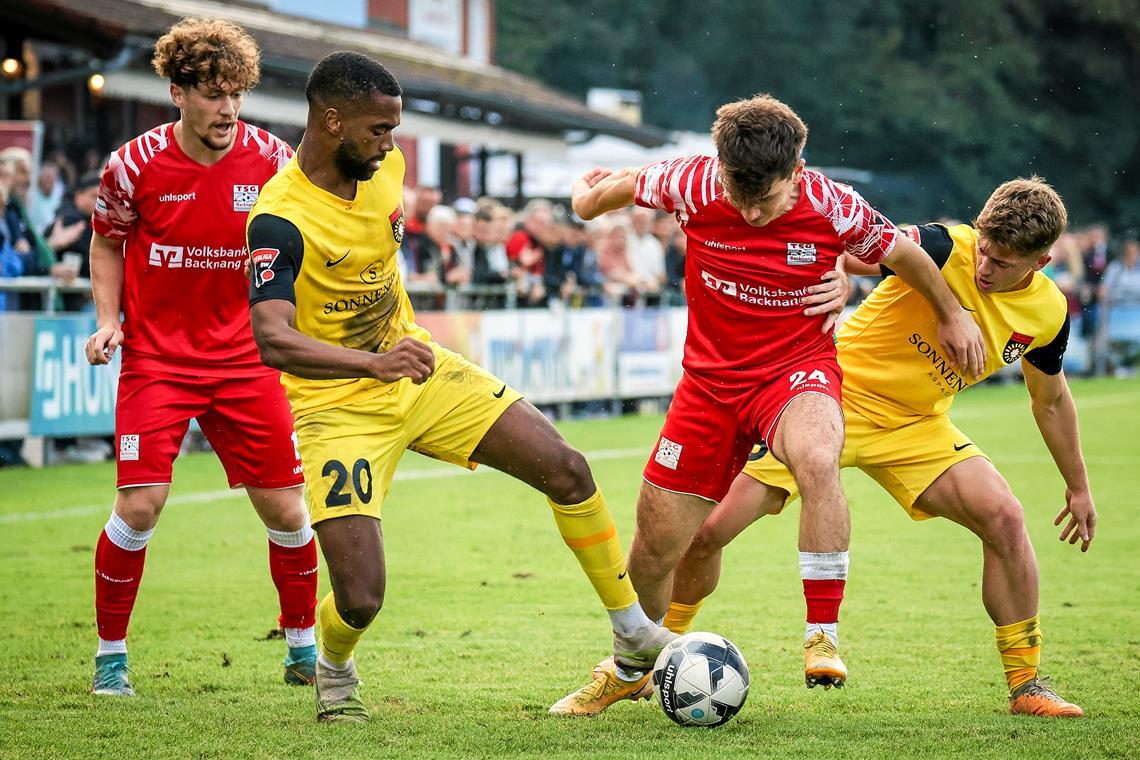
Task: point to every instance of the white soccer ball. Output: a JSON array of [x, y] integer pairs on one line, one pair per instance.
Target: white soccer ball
[[700, 679]]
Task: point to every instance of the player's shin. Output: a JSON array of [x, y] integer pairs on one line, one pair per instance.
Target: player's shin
[[589, 531], [1020, 647], [338, 638], [293, 567], [119, 559]]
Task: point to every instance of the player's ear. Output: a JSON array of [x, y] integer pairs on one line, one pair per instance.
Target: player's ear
[[1042, 262], [177, 95], [334, 122]]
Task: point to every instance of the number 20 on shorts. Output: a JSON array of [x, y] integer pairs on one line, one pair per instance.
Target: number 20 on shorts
[[361, 482]]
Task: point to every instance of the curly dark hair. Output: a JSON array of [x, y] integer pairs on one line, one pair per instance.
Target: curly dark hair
[[208, 51]]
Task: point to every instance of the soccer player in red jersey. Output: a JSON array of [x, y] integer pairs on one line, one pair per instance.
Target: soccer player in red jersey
[[762, 232], [168, 252]]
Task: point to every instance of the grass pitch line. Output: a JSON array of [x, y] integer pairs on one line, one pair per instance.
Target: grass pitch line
[[238, 493]]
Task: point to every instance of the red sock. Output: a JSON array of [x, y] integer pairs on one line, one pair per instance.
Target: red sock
[[823, 600], [294, 571], [117, 576]]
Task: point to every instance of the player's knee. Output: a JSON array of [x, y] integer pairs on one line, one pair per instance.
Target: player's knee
[[139, 508], [1004, 525], [361, 606], [814, 464], [704, 545], [570, 480]]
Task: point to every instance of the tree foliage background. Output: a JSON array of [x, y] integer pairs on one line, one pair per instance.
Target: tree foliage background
[[942, 101]]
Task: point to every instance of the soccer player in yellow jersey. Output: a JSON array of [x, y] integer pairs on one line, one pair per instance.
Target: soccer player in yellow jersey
[[365, 382], [897, 392]]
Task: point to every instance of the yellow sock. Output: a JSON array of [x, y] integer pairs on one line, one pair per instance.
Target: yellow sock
[[589, 531], [1020, 648], [338, 638], [679, 618]]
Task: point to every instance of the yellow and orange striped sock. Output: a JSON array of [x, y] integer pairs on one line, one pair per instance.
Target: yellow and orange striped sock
[[1020, 648], [589, 531], [679, 618], [338, 638]]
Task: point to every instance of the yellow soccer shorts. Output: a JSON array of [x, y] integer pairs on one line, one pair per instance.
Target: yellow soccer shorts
[[350, 452], [903, 460]]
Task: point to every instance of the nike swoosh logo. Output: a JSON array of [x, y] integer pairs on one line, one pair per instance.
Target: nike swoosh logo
[[959, 447], [969, 310], [501, 392], [342, 258], [623, 574]]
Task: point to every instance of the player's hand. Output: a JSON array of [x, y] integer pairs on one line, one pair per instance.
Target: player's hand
[[829, 297], [408, 358], [965, 347], [595, 175], [1081, 512], [247, 268], [102, 344]]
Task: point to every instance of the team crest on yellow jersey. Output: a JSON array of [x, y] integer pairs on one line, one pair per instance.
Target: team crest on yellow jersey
[[1015, 347], [396, 218]]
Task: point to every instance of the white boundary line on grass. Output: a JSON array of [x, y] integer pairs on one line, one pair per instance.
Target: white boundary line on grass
[[238, 493], [1113, 399]]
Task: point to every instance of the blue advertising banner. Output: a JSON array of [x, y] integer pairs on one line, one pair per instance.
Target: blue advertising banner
[[69, 396]]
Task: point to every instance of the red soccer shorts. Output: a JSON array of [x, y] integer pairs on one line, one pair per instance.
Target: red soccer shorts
[[709, 431], [246, 420]]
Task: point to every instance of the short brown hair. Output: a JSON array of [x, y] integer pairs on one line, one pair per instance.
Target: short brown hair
[[207, 51], [758, 141], [1023, 215]]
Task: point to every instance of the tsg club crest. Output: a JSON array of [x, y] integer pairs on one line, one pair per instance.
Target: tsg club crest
[[1015, 347], [397, 220], [245, 196]]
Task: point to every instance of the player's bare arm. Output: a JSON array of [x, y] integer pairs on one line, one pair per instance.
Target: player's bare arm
[[830, 296], [602, 190], [282, 347], [1056, 417], [107, 288], [957, 331]]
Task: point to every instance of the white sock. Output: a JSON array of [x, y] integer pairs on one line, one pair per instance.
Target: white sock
[[831, 629], [291, 538], [124, 536], [823, 566], [111, 647], [301, 637], [328, 664], [630, 621]]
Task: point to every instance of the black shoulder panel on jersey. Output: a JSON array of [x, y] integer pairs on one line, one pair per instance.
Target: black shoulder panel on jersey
[[1049, 358], [935, 240], [276, 249]]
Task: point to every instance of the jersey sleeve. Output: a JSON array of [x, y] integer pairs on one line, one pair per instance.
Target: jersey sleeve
[[276, 249], [934, 239], [864, 232], [1050, 357], [115, 212], [680, 185]]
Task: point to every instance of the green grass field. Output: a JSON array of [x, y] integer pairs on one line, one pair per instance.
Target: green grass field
[[488, 619]]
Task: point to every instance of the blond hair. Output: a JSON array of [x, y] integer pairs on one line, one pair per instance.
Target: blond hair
[[208, 51], [1024, 215]]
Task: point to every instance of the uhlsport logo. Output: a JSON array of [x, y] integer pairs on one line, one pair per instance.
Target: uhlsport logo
[[800, 254], [244, 197], [169, 256], [1015, 347]]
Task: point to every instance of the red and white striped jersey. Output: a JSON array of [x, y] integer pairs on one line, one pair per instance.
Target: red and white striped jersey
[[185, 295], [744, 283]]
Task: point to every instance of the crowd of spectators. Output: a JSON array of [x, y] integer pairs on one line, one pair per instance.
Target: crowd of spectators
[[538, 256]]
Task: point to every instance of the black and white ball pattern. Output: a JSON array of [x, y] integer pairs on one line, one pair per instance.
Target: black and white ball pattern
[[701, 679]]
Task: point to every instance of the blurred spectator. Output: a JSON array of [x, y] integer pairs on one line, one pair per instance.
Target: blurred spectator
[[426, 198], [1095, 258], [620, 281], [672, 239], [36, 257], [45, 197], [71, 237], [404, 254], [526, 250], [11, 265], [1120, 299], [646, 253], [1067, 269], [430, 246], [572, 274], [463, 232], [491, 224], [1121, 284]]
